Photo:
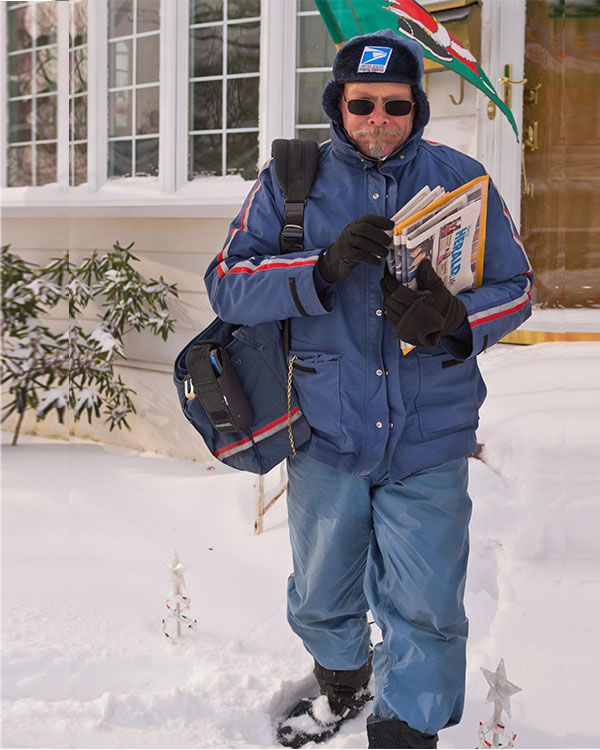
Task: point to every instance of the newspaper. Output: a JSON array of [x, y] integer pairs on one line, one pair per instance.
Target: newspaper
[[447, 228]]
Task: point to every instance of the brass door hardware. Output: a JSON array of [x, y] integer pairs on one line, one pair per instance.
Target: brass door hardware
[[530, 136], [532, 94], [508, 83], [527, 186]]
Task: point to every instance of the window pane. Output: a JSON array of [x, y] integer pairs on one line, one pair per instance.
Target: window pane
[[19, 74], [80, 118], [46, 118], [306, 5], [120, 18], [120, 63], [147, 110], [206, 102], [19, 166], [148, 16], [119, 103], [206, 155], [79, 71], [119, 158], [148, 58], [203, 11], [19, 121], [242, 103], [309, 90], [146, 157], [79, 156], [19, 28], [315, 48], [79, 23], [313, 134], [243, 48], [243, 8], [45, 22], [45, 70], [206, 52], [242, 154], [46, 163]]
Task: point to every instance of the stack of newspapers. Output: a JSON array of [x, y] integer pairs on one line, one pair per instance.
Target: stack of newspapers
[[447, 228]]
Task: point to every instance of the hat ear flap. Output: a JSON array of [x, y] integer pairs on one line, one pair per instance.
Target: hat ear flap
[[422, 111], [331, 99]]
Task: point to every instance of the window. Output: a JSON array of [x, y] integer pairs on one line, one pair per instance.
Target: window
[[78, 97], [133, 87], [224, 87], [32, 93], [314, 56]]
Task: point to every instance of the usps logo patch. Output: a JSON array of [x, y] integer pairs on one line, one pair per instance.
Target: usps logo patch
[[374, 60]]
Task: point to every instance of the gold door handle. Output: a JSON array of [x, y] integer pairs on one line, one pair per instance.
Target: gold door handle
[[508, 83]]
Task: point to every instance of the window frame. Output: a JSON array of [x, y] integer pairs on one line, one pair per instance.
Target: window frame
[[171, 193]]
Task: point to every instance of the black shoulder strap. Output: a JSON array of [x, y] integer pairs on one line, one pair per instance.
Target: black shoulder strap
[[296, 162]]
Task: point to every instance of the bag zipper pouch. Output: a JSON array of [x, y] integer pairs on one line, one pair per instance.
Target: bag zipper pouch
[[216, 385]]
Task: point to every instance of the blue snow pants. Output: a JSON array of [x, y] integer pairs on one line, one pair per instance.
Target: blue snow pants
[[399, 549]]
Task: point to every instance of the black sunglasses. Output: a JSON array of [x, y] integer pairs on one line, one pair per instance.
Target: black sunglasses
[[394, 107]]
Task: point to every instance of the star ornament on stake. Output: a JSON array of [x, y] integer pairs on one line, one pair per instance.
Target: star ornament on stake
[[178, 605], [499, 694]]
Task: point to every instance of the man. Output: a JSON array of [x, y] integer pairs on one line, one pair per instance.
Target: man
[[377, 500]]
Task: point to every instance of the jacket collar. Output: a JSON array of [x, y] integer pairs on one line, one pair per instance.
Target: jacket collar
[[346, 149]]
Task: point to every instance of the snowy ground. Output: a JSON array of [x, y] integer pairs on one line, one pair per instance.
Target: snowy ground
[[87, 528]]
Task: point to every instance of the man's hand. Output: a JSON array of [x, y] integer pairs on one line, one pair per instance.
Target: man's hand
[[362, 241], [422, 317]]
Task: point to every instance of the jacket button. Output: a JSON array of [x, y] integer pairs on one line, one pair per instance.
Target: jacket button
[[391, 425], [379, 425], [379, 372], [375, 195], [379, 312]]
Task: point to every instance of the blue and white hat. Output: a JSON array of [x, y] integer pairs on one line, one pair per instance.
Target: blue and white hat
[[378, 58]]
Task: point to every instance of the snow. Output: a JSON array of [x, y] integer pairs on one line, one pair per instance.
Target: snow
[[88, 529]]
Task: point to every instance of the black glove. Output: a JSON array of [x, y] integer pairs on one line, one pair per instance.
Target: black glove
[[421, 317], [362, 241]]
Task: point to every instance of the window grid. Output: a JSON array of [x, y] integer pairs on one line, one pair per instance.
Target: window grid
[[225, 23], [17, 174], [310, 124], [77, 146], [133, 137]]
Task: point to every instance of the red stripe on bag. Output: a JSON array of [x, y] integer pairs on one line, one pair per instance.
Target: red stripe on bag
[[257, 433]]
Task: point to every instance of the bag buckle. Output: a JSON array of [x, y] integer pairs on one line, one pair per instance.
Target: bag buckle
[[293, 232]]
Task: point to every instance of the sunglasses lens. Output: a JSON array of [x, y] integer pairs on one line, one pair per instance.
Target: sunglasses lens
[[398, 107], [360, 107]]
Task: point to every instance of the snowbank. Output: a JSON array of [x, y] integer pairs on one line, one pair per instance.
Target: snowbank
[[87, 529]]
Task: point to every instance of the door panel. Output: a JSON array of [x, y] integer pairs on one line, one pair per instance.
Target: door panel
[[560, 218]]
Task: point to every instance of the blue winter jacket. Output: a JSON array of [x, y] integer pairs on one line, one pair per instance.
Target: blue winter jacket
[[365, 401]]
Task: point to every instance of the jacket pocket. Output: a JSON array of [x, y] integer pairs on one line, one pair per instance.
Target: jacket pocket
[[449, 397], [316, 378]]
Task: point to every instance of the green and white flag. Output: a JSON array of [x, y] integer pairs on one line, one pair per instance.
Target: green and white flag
[[347, 18]]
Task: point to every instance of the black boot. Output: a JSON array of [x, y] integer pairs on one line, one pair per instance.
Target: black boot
[[343, 695], [393, 733]]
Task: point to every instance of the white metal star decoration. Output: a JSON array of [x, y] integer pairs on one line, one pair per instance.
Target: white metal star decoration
[[500, 688], [499, 694], [177, 569], [178, 605]]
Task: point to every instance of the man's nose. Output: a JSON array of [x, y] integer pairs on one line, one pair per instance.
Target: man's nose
[[378, 116]]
